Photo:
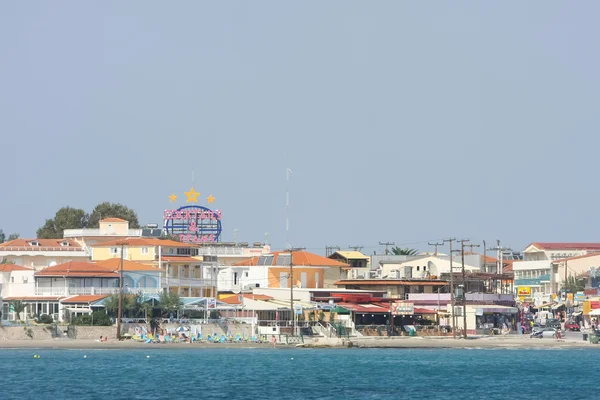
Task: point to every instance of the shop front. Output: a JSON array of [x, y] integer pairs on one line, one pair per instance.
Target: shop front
[[494, 320]]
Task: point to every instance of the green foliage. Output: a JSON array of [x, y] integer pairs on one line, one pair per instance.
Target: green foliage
[[65, 218], [45, 319], [111, 303], [13, 236], [321, 316], [5, 261], [573, 284], [214, 314], [97, 318], [2, 236], [397, 251], [113, 210], [133, 305], [169, 302], [331, 317], [18, 307], [311, 316]]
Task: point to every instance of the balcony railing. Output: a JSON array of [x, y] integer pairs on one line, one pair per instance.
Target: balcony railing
[[97, 232], [42, 291], [220, 251], [41, 248]]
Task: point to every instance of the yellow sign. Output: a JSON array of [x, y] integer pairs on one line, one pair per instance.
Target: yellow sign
[[524, 291]]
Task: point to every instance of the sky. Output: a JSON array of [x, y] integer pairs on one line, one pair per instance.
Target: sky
[[404, 122]]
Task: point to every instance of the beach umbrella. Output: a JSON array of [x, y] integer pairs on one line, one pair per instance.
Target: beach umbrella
[[182, 329]]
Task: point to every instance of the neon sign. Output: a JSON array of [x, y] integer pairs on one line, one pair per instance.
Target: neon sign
[[193, 224]]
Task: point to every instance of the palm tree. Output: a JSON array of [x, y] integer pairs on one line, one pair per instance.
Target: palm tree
[[18, 307], [397, 251]]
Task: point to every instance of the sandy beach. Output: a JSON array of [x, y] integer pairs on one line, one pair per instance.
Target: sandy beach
[[363, 342]]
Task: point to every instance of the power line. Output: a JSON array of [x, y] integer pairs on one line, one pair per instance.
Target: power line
[[464, 283], [329, 250], [436, 247], [386, 244], [356, 248], [293, 315], [452, 300], [500, 265]]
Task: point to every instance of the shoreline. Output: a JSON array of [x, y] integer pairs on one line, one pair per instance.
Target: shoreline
[[358, 342]]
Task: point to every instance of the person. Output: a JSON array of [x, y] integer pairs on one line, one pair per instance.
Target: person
[[273, 340], [101, 339], [105, 339]]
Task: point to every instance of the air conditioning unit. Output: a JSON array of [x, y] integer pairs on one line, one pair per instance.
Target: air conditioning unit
[[458, 311]]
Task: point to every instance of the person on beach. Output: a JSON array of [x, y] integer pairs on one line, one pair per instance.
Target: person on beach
[[273, 340]]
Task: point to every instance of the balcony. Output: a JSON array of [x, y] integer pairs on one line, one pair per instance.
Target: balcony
[[69, 233], [220, 251], [42, 291]]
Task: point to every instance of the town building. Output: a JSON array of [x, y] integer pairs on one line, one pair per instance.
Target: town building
[[183, 270], [273, 270], [359, 263], [538, 276], [38, 254]]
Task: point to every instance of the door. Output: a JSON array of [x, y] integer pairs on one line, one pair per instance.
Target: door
[[283, 279], [303, 279], [317, 278]]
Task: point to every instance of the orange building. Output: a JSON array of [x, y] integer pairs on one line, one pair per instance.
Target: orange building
[[273, 271]]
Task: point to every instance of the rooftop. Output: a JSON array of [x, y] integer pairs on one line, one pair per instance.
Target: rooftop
[[351, 255], [84, 299], [566, 246], [40, 245], [78, 269], [113, 220], [143, 242], [299, 259], [13, 267], [114, 264]]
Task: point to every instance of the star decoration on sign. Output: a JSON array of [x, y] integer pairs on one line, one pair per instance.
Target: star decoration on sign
[[210, 199], [172, 198], [192, 195]]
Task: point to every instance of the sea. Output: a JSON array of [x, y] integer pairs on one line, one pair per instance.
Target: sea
[[282, 374]]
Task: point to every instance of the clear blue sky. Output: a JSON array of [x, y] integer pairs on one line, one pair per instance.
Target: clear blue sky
[[401, 121]]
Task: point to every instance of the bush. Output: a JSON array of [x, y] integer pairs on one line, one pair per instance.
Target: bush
[[45, 319], [97, 318]]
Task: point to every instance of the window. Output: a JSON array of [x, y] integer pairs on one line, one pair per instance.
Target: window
[[235, 278], [418, 268], [114, 250], [424, 268], [144, 250], [246, 274], [12, 279]]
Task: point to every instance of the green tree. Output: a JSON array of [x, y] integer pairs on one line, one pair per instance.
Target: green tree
[[397, 251], [18, 307], [573, 284], [6, 261], [169, 302], [113, 210], [2, 236], [65, 218], [13, 236]]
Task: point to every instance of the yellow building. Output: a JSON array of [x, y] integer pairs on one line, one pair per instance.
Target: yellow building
[[182, 270]]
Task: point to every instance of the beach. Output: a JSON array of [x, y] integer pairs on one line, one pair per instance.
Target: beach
[[357, 342]]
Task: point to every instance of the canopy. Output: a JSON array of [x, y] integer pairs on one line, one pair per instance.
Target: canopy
[[595, 312], [340, 310]]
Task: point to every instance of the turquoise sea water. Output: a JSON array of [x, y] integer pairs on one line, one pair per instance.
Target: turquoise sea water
[[311, 374]]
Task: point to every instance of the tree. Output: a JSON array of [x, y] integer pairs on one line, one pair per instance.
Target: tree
[[573, 284], [169, 302], [13, 236], [397, 251], [113, 210], [6, 261], [65, 218], [18, 307], [2, 236]]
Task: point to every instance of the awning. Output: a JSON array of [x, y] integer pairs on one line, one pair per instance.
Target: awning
[[80, 310], [576, 313], [557, 306]]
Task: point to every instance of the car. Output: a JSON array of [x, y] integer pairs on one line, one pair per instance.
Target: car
[[572, 326], [553, 323], [544, 333]]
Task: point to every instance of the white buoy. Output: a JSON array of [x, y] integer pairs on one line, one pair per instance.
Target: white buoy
[[147, 356], [292, 358], [84, 356]]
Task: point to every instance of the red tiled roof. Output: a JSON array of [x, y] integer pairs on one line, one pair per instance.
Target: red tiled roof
[[114, 264], [13, 267], [78, 269], [113, 220], [566, 246], [84, 299], [181, 259], [43, 244], [143, 242], [299, 259], [592, 254]]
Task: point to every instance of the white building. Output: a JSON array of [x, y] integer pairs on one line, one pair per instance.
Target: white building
[[539, 274], [425, 267], [41, 253]]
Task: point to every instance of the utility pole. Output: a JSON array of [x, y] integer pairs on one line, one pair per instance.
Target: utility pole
[[452, 288], [291, 278], [436, 247], [500, 251], [465, 282], [329, 250], [120, 311], [484, 256], [356, 248], [386, 244]]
